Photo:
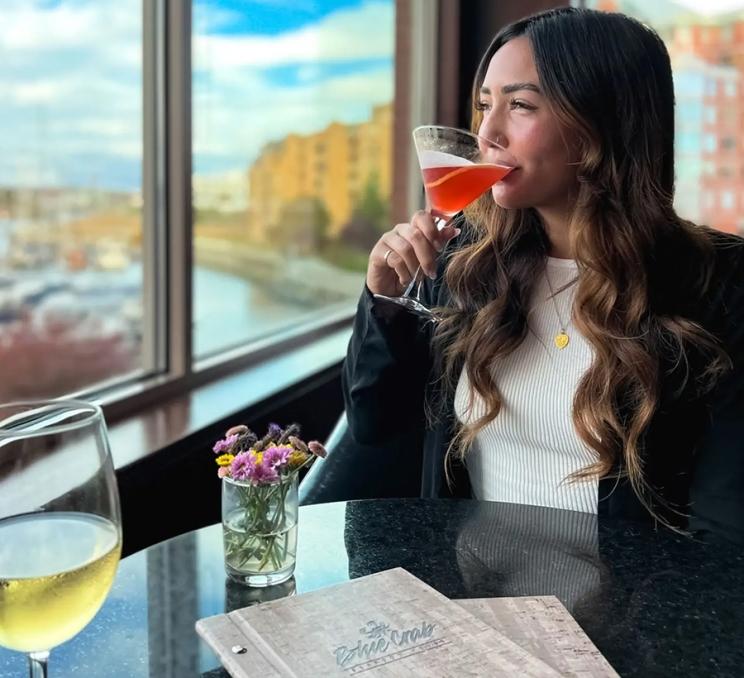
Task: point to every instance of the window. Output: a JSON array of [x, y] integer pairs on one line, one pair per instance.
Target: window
[[260, 149], [708, 71], [690, 86], [74, 267], [728, 143], [688, 142], [302, 94], [690, 114]]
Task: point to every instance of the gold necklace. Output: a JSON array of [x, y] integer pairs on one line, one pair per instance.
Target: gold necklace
[[561, 339]]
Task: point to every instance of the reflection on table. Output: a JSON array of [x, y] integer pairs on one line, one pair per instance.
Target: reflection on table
[[655, 603]]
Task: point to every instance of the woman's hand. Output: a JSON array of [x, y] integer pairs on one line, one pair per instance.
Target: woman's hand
[[399, 252]]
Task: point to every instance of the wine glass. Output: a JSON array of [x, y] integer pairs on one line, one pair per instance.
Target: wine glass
[[457, 167], [60, 525]]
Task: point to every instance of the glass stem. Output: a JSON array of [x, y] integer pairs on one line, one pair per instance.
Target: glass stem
[[37, 664], [414, 280], [441, 223]]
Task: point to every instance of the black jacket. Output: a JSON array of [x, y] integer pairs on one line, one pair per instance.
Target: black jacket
[[693, 449]]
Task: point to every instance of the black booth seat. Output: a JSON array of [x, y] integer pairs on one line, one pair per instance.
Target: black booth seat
[[355, 471]]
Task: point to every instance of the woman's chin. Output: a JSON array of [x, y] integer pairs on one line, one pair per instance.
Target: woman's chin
[[507, 202], [504, 199]]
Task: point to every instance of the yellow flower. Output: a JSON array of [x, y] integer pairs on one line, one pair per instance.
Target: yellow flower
[[225, 459], [297, 458], [258, 456]]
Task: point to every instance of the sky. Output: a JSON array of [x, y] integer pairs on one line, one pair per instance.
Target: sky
[[70, 71], [712, 7]]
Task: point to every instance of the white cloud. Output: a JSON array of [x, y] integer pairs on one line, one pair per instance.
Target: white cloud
[[71, 77], [109, 27], [711, 7], [342, 36], [37, 92], [247, 118]]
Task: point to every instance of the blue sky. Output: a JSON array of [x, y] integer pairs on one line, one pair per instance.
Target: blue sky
[[71, 77], [268, 17]]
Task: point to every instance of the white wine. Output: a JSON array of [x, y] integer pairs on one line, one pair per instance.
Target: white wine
[[55, 572]]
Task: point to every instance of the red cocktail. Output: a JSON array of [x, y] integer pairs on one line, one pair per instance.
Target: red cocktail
[[457, 167], [451, 189]]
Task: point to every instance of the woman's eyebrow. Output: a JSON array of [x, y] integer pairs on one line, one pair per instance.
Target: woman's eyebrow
[[514, 87]]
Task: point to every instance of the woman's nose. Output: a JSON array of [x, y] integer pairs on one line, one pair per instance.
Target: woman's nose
[[493, 132]]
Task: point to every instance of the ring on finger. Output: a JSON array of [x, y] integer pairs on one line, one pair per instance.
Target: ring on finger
[[386, 255]]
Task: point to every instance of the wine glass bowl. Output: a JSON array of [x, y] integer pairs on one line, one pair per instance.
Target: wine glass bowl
[[60, 525], [457, 167]]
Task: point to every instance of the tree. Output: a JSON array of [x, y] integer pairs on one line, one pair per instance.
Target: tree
[[302, 226], [369, 218]]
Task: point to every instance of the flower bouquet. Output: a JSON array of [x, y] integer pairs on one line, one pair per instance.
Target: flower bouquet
[[259, 500]]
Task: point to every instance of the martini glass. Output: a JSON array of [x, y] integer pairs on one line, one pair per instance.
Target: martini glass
[[457, 167]]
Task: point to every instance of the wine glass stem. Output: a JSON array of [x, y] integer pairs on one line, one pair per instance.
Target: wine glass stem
[[409, 288], [441, 223], [37, 664]]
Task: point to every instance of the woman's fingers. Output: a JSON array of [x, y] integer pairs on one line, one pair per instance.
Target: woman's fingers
[[426, 223], [387, 272], [420, 248], [400, 252], [403, 257], [437, 227]]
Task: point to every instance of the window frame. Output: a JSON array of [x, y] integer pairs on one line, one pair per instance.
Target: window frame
[[167, 219]]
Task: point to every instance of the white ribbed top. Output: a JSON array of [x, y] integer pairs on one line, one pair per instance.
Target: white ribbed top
[[525, 455]]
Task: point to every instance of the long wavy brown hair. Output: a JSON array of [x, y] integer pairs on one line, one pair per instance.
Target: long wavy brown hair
[[608, 79]]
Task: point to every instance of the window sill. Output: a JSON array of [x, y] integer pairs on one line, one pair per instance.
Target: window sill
[[191, 415]]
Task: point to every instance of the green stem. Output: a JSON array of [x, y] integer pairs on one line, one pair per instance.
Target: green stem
[[264, 536]]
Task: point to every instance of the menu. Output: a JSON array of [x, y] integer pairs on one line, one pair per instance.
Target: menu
[[543, 627], [392, 624], [388, 624]]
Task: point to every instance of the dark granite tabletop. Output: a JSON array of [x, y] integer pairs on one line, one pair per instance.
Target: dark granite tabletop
[[655, 603]]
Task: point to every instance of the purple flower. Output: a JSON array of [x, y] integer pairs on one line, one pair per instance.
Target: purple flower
[[274, 432], [225, 444], [277, 457], [256, 467], [241, 466], [261, 473]]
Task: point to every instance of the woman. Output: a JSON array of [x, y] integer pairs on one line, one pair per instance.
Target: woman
[[590, 352]]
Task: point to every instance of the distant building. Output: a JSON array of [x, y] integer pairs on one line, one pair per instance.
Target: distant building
[[707, 55], [718, 39], [708, 59], [333, 166]]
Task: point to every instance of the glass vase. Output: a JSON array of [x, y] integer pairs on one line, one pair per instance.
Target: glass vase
[[259, 529]]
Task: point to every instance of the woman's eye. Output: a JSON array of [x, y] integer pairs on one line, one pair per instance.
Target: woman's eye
[[482, 106], [518, 103]]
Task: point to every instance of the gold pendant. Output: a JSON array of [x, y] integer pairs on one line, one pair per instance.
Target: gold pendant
[[561, 340]]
